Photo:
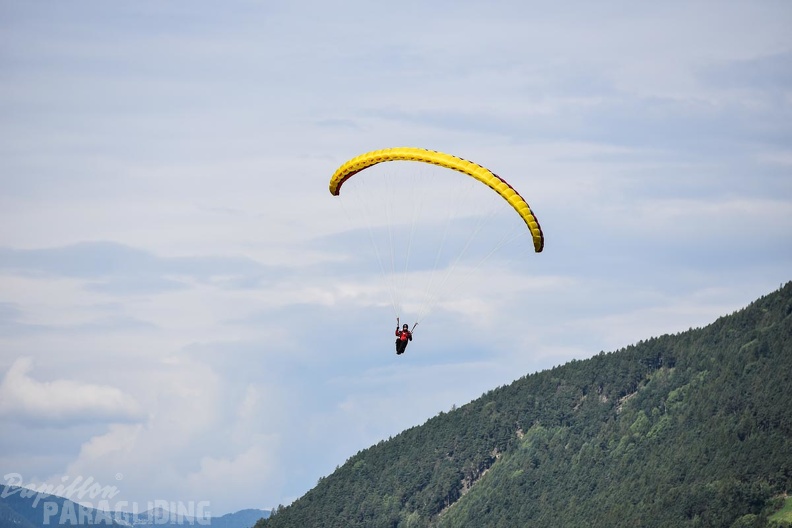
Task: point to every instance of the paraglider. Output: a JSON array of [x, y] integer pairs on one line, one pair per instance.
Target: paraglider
[[403, 336], [387, 220]]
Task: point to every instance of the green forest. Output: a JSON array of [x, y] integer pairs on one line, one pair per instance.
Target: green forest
[[685, 430]]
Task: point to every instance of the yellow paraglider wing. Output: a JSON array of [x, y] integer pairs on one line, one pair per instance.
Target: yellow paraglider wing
[[482, 174]]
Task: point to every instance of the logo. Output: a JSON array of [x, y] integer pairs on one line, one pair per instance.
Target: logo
[[81, 501]]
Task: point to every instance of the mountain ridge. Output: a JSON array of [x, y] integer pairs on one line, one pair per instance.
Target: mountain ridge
[[689, 429]]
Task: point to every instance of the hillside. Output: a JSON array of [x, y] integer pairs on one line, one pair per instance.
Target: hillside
[[692, 429]]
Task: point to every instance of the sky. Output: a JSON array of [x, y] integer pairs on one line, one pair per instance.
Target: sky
[[188, 315]]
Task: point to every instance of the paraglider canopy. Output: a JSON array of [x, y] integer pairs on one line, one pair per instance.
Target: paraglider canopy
[[482, 174]]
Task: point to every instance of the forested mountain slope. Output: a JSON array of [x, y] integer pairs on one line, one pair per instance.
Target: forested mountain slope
[[693, 429]]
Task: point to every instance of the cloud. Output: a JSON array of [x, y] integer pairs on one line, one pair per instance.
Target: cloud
[[61, 403], [231, 477], [771, 72], [117, 269], [13, 324], [101, 259]]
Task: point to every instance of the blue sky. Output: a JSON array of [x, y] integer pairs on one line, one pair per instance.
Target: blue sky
[[184, 312]]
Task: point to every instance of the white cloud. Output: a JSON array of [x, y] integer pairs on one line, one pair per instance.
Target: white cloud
[[61, 402]]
